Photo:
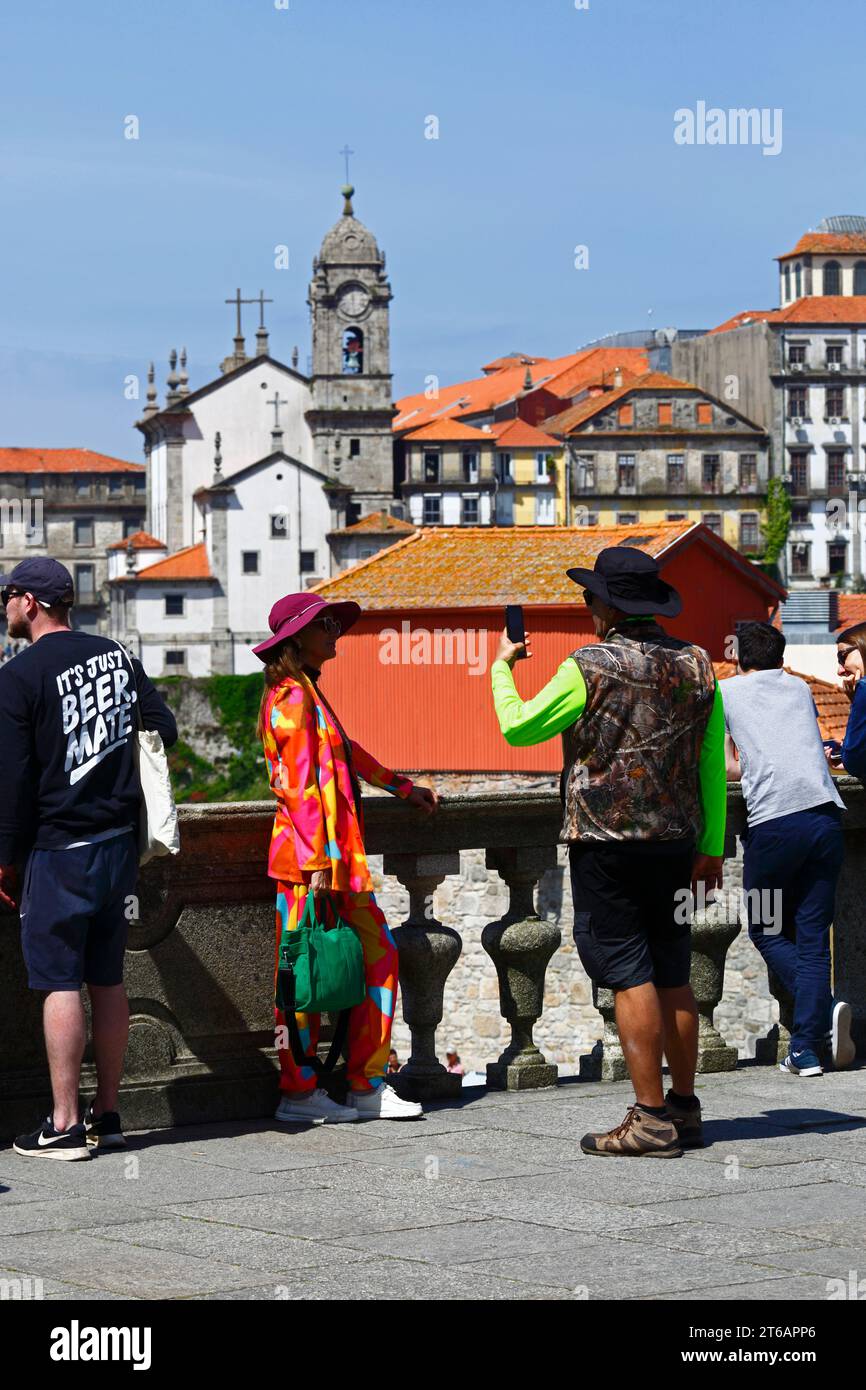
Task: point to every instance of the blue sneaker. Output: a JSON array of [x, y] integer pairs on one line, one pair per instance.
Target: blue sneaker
[[803, 1063]]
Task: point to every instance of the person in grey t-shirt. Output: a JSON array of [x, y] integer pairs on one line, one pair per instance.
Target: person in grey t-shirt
[[793, 841]]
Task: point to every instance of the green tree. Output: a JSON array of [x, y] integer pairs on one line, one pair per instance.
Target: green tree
[[776, 522]]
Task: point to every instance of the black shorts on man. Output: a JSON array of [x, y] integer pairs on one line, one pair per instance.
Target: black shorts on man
[[75, 912], [631, 919]]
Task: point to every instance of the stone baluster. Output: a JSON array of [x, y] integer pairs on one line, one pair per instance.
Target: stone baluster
[[520, 945], [777, 1044], [713, 929], [428, 953]]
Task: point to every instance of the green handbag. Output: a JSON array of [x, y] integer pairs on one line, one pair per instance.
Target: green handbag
[[321, 965]]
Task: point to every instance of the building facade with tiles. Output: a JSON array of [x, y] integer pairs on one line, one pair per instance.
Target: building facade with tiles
[[799, 371], [72, 504]]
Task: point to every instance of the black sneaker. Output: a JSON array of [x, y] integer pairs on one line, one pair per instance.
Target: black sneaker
[[48, 1142], [104, 1133]]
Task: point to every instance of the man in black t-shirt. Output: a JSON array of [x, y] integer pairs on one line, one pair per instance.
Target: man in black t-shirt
[[70, 807]]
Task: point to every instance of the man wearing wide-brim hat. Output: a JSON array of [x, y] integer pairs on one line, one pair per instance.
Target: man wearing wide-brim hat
[[644, 796]]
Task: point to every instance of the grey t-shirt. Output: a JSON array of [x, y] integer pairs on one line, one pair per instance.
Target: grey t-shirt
[[770, 715]]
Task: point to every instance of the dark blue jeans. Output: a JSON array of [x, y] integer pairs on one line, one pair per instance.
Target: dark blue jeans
[[794, 862]]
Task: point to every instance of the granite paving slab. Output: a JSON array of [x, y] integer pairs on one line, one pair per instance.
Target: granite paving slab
[[471, 1240], [323, 1213], [233, 1244]]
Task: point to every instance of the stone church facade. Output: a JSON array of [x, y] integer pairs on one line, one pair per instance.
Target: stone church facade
[[248, 475]]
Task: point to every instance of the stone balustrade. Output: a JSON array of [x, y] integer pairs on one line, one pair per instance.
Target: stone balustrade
[[201, 953]]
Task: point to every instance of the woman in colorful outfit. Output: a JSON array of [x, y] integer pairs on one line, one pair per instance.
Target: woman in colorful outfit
[[317, 846]]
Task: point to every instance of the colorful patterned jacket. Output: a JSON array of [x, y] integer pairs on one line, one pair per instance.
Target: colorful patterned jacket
[[312, 764]]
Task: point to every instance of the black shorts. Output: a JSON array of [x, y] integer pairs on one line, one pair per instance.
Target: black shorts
[[74, 913], [631, 913]]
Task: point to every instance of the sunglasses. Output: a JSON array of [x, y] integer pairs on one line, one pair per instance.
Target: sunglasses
[[6, 594], [331, 625]]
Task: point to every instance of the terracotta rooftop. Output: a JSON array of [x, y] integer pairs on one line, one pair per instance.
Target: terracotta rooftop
[[139, 540], [376, 523], [852, 609], [576, 415], [816, 308], [519, 434], [441, 431], [844, 243], [14, 460], [563, 376], [486, 566], [190, 563], [511, 359]]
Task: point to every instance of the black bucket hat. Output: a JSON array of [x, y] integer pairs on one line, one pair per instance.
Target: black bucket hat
[[628, 579]]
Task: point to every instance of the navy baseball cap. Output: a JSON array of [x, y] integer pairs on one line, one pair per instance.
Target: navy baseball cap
[[46, 579]]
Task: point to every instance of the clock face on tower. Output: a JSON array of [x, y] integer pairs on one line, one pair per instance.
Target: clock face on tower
[[353, 302]]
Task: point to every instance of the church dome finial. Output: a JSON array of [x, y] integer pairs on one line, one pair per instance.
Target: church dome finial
[[347, 191]]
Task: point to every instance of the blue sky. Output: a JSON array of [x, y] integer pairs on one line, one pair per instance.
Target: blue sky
[[555, 130]]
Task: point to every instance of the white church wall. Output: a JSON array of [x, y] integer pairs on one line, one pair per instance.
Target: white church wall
[[238, 409], [150, 615], [279, 489]]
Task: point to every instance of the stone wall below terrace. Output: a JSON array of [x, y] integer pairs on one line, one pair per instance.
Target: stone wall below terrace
[[571, 1024]]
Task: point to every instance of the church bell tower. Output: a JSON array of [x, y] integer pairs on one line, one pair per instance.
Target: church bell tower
[[352, 408]]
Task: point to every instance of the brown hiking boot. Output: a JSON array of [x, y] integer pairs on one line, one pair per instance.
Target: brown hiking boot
[[640, 1135], [688, 1122]]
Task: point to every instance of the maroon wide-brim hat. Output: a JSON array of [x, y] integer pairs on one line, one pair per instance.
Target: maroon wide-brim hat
[[295, 611]]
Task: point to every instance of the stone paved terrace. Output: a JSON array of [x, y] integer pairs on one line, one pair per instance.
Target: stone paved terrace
[[487, 1198]]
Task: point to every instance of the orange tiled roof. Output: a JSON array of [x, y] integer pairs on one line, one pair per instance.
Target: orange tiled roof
[[519, 434], [139, 540], [564, 376], [376, 523], [845, 243], [190, 563], [597, 368], [446, 429], [487, 566], [511, 359], [815, 308], [569, 420], [15, 460], [852, 609]]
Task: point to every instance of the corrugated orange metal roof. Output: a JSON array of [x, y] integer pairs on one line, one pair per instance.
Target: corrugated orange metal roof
[[845, 243], [15, 460], [486, 566], [139, 540], [189, 563]]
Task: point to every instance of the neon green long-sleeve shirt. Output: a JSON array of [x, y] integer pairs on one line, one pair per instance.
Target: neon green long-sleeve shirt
[[563, 700]]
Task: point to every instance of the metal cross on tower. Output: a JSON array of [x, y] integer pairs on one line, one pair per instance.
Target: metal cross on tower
[[261, 301], [237, 301], [345, 152]]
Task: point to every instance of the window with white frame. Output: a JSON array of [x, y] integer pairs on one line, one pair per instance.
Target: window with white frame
[[469, 515], [545, 509], [432, 510], [503, 467], [541, 473]]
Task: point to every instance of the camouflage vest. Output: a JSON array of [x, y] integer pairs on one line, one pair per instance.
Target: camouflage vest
[[631, 760]]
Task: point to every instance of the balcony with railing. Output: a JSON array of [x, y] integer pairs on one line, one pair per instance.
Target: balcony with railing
[[199, 969]]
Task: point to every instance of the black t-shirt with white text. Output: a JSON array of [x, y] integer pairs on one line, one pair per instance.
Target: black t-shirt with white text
[[67, 735]]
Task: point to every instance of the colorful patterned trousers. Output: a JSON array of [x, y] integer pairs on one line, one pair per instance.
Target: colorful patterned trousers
[[369, 1039]]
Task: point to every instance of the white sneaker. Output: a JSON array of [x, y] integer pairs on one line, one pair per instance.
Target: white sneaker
[[842, 1044], [315, 1109], [383, 1104]]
